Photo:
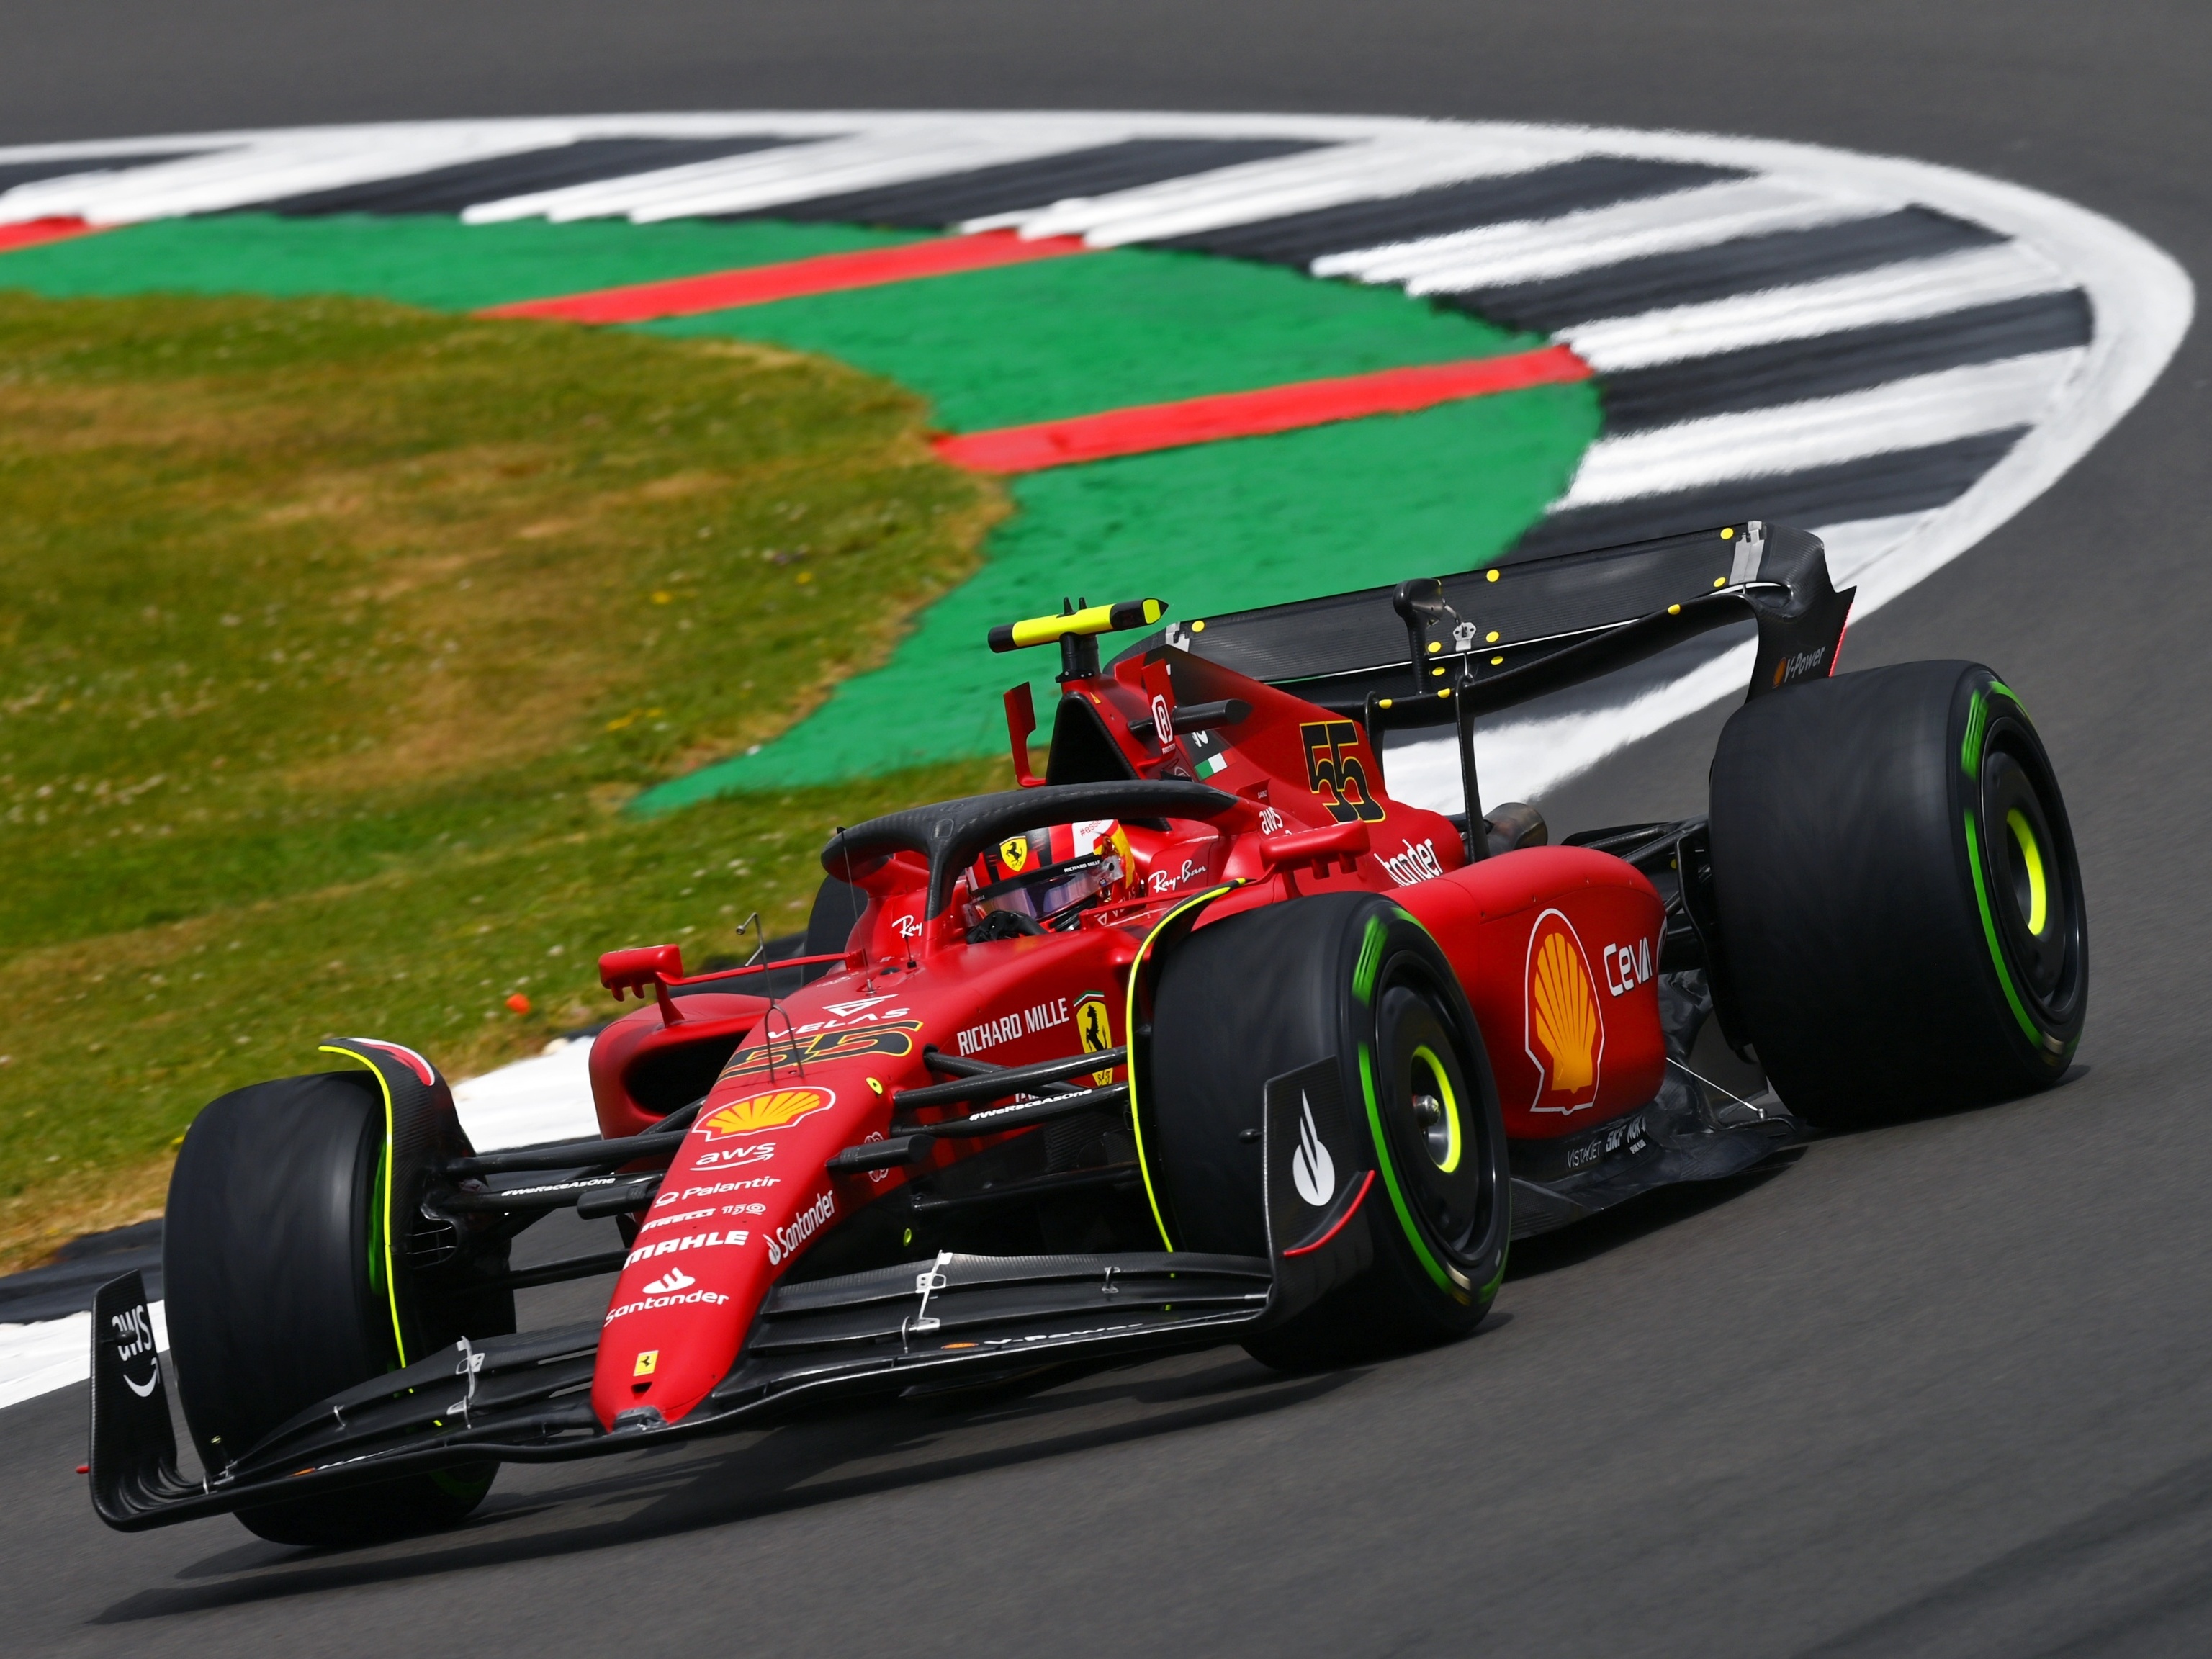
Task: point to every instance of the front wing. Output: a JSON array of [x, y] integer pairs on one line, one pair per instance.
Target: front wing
[[527, 1398]]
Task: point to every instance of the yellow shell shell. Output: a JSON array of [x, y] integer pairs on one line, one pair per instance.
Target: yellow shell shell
[[770, 1111], [1566, 1014]]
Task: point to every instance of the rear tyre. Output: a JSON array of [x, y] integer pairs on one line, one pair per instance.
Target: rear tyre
[[1349, 978], [1900, 906], [273, 1263]]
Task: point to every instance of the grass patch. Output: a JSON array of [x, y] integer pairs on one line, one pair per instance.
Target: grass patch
[[331, 635]]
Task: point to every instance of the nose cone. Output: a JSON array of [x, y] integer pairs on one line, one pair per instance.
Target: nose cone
[[746, 1191]]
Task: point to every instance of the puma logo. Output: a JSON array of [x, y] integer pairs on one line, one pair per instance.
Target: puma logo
[[1312, 1171]]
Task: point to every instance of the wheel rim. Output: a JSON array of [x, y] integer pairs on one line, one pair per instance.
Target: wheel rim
[[1431, 1121], [2034, 889], [1437, 1109]]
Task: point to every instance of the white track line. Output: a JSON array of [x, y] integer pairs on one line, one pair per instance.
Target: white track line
[[258, 172], [1914, 413], [1888, 293], [36, 1359], [1254, 190], [1530, 250], [545, 1098], [744, 184]]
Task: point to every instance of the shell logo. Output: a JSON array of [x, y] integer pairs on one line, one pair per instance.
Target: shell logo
[[771, 1109], [1565, 1021]]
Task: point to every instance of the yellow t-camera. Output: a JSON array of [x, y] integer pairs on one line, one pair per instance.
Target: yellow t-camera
[[1093, 619]]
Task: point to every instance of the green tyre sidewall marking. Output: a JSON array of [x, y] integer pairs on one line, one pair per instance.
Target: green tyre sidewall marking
[[2034, 1032], [1370, 964], [1992, 708], [1406, 1224], [1373, 967], [1363, 987]]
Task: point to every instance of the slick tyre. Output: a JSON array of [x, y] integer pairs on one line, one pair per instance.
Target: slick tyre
[[1900, 908], [1350, 979], [272, 1260]]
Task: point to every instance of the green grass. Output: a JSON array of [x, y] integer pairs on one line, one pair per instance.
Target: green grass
[[332, 633]]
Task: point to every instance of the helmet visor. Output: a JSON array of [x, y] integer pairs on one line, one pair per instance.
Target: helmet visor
[[1048, 896]]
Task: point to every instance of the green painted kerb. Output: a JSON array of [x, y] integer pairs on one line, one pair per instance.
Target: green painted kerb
[[1214, 527], [438, 262]]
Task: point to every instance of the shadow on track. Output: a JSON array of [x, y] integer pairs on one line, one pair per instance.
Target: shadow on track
[[1649, 1212], [787, 1467], [1638, 1218]]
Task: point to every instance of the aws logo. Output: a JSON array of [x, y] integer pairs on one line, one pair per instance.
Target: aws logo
[[1566, 1027]]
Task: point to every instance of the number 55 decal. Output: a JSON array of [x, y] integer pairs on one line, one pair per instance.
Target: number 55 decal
[[1334, 773]]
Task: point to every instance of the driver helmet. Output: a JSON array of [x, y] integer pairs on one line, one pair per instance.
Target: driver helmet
[[1049, 876]]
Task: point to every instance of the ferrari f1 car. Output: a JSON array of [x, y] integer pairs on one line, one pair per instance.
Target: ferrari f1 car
[[1202, 1037]]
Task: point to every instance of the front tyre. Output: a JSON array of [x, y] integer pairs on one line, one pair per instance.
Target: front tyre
[[1352, 980], [279, 1271], [1900, 906]]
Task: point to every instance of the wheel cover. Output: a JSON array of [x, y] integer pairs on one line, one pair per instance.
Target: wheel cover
[[1439, 1188], [1443, 1136], [2026, 882]]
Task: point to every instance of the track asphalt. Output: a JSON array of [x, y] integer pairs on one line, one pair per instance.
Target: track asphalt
[[1938, 1389]]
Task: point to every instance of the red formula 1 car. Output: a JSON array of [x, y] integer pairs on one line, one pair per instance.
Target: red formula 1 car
[[1201, 1037]]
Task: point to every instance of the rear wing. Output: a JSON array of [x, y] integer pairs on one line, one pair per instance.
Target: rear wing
[[1432, 652]]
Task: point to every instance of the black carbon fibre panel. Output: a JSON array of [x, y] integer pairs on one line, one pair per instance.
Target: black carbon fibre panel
[[1853, 360], [948, 199], [1299, 239], [466, 184], [1344, 634], [1906, 481], [1742, 266], [13, 174]]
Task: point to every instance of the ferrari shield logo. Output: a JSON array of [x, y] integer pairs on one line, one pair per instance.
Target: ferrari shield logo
[[1014, 855]]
